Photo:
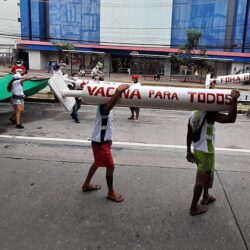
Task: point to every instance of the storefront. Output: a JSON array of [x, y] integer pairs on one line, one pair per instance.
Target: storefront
[[146, 61]]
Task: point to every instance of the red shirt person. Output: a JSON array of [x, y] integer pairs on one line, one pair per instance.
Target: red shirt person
[[18, 67]]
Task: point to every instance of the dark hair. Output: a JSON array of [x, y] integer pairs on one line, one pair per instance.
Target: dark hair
[[56, 67], [9, 87]]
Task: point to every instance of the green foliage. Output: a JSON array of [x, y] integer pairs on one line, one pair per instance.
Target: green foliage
[[174, 58], [184, 55], [192, 44], [193, 38]]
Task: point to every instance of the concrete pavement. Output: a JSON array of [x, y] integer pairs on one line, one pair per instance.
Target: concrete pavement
[[42, 206]]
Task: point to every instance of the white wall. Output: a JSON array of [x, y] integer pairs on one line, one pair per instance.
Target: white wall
[[236, 67], [34, 59], [107, 60], [9, 25], [142, 22], [44, 60], [167, 68]]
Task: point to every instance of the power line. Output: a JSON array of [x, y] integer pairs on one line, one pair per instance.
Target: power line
[[119, 36], [93, 41], [15, 36]]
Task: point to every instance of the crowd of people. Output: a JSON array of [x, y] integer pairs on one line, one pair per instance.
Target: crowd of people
[[200, 135]]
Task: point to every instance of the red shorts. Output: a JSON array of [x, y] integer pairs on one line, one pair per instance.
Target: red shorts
[[102, 154]]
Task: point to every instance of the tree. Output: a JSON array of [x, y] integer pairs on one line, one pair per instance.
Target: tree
[[193, 38], [184, 55]]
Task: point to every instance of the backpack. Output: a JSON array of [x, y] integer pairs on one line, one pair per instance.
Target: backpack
[[197, 134]]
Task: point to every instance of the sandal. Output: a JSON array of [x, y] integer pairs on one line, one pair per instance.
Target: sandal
[[210, 199], [118, 198], [90, 188], [201, 209]]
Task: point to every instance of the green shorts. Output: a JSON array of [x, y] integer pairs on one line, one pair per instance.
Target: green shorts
[[205, 165]]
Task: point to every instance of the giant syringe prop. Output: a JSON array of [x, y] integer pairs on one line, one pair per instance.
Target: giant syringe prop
[[232, 78], [144, 96]]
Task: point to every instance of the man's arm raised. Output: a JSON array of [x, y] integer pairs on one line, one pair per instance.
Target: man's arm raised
[[232, 114], [113, 100]]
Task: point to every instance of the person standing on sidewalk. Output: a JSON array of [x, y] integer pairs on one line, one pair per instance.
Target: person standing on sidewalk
[[101, 146], [18, 68], [96, 72], [77, 106], [16, 87], [135, 111], [201, 134], [62, 66]]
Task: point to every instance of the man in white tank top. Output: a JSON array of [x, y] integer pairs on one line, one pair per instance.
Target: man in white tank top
[[203, 156], [101, 145]]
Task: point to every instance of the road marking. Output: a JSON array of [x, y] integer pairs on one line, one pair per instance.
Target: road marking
[[149, 145]]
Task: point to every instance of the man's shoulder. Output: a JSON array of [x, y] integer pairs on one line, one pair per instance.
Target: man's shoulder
[[211, 116], [103, 109]]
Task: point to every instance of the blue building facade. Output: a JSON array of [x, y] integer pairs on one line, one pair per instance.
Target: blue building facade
[[222, 23], [242, 24], [119, 28], [78, 21], [75, 21]]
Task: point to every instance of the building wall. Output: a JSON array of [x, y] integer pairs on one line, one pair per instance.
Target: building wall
[[33, 19], [239, 20], [222, 23], [209, 17], [74, 20], [35, 59], [143, 22], [223, 68], [9, 25]]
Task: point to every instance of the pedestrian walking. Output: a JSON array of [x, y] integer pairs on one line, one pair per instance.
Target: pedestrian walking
[[101, 146], [77, 106], [201, 134]]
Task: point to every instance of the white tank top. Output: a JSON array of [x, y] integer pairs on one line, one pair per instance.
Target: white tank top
[[103, 130], [17, 88], [207, 137]]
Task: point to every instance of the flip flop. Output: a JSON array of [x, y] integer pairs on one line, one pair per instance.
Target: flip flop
[[210, 199], [91, 188], [119, 198], [201, 210]]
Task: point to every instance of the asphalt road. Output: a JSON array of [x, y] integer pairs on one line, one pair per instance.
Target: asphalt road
[[43, 166]]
